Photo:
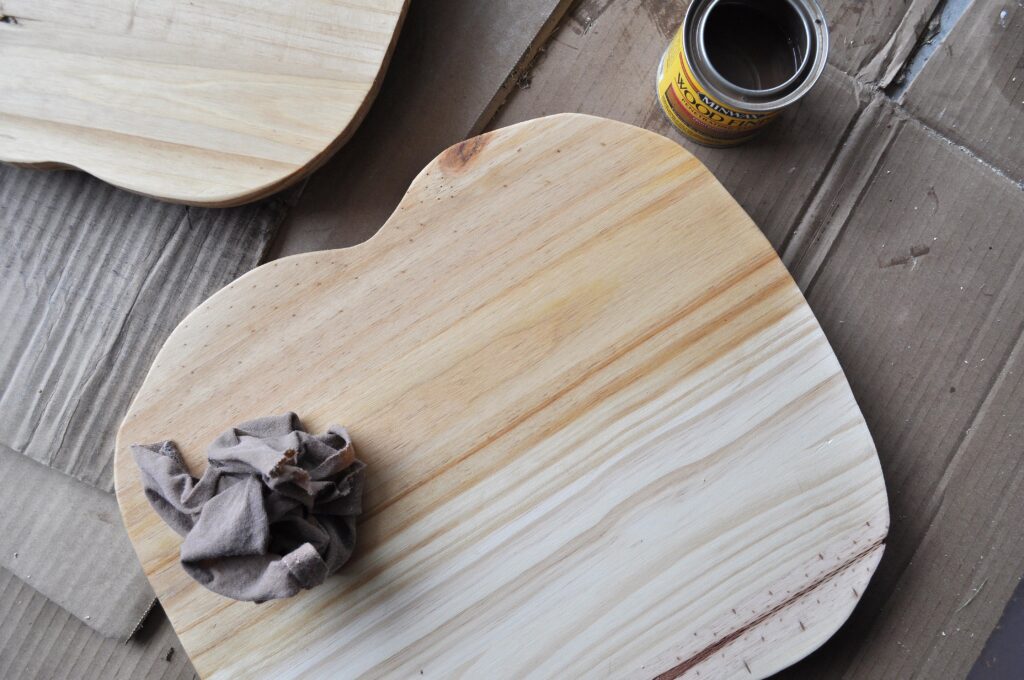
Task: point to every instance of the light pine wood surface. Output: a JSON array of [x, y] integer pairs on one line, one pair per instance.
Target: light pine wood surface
[[606, 436], [207, 102]]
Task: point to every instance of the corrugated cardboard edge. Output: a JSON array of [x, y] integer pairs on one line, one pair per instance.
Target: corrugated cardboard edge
[[65, 539]]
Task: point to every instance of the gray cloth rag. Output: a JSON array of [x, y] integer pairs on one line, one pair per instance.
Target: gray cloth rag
[[275, 511]]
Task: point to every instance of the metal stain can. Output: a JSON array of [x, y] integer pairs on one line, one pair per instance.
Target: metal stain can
[[735, 64]]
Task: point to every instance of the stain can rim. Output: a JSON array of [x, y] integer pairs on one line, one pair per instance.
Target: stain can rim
[[757, 101]]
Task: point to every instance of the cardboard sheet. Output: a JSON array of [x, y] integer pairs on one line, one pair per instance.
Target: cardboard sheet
[[972, 89], [834, 181], [92, 280]]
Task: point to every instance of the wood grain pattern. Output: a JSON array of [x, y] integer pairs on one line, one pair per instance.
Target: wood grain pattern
[[209, 102], [606, 435]]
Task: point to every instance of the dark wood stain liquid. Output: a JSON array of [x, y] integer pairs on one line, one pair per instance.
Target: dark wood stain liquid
[[756, 46]]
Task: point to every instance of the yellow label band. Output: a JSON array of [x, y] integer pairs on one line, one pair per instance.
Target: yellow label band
[[695, 112]]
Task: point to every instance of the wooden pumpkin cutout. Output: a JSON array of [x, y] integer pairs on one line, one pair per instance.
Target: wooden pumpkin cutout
[[606, 436]]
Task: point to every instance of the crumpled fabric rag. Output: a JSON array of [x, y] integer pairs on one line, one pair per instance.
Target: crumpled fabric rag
[[274, 512]]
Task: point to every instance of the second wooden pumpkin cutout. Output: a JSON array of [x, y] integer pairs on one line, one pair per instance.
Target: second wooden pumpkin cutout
[[207, 102]]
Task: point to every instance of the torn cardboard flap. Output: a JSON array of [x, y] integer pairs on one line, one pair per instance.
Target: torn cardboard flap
[[872, 40]]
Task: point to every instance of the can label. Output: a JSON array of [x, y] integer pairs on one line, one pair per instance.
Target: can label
[[696, 113]]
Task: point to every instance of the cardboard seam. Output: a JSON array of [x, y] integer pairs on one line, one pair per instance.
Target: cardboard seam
[[801, 257], [934, 132], [827, 170], [798, 249], [865, 180]]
